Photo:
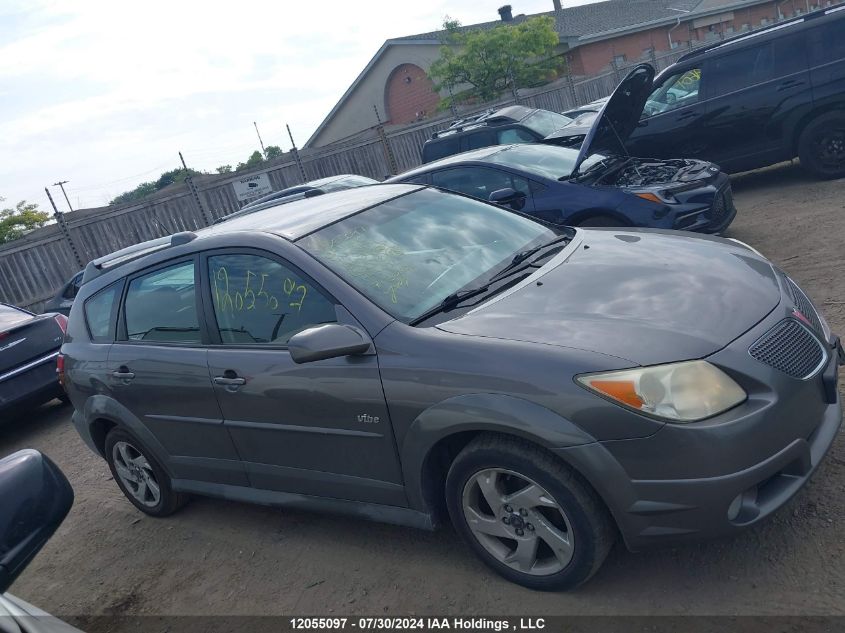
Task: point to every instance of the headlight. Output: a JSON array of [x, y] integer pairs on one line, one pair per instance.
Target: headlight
[[681, 392]]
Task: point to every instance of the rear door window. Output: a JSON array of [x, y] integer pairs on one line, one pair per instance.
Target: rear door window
[[258, 300], [100, 312], [441, 148], [827, 43], [478, 140], [160, 307], [740, 69], [515, 135]]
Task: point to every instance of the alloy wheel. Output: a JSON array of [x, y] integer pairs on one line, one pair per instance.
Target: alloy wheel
[[829, 149], [518, 522], [136, 474]]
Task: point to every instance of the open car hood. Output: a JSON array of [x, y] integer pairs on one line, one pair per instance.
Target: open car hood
[[618, 118]]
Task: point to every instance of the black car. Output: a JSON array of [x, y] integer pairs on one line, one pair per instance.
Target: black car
[[63, 299], [29, 345], [513, 124], [755, 99]]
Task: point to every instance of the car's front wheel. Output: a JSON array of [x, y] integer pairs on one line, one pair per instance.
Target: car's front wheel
[[526, 514], [821, 147], [140, 476]]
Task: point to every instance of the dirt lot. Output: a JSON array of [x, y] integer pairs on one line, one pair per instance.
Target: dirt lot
[[218, 557]]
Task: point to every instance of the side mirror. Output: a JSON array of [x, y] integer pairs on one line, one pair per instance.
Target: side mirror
[[327, 341], [508, 197], [35, 497]]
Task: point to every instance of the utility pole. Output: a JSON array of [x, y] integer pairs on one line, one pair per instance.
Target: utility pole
[[263, 151], [60, 219], [61, 184], [189, 180], [296, 155]]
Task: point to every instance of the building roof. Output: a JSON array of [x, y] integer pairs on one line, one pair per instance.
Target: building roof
[[575, 25]]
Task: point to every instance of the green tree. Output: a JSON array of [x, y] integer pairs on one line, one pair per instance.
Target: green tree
[[174, 176], [273, 151], [491, 61], [254, 160], [16, 222], [224, 169]]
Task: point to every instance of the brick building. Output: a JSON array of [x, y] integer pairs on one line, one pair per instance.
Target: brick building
[[395, 89]]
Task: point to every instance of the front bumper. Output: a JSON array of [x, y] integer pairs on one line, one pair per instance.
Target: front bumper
[[713, 216], [714, 478]]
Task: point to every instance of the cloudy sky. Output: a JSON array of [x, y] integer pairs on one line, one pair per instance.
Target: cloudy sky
[[105, 94]]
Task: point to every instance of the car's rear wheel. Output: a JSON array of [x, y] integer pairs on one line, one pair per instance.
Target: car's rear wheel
[[527, 514], [599, 220], [821, 147], [140, 476]]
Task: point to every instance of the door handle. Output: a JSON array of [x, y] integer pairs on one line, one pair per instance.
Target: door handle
[[791, 83], [226, 381], [123, 374], [685, 116]]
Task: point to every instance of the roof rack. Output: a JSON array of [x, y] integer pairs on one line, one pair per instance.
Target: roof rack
[[101, 265], [459, 125], [813, 15]]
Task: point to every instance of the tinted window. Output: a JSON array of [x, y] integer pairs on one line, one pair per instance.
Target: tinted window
[[409, 253], [161, 306], [258, 300], [508, 137], [827, 43], [72, 288], [10, 316], [739, 70], [481, 139], [438, 149], [676, 91], [99, 310], [478, 182], [790, 53]]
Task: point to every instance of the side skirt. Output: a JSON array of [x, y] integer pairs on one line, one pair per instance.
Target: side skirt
[[370, 511]]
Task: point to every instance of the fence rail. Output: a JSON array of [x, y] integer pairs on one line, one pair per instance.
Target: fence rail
[[34, 267]]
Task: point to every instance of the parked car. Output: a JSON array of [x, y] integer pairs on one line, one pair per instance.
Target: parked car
[[314, 187], [593, 106], [513, 124], [399, 352], [29, 345], [755, 99], [35, 497], [63, 299]]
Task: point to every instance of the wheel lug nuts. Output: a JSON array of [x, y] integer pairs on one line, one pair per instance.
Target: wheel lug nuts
[[519, 532], [508, 508], [506, 520], [523, 512], [530, 527]]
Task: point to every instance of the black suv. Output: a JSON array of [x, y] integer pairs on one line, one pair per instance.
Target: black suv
[[513, 124], [756, 99]]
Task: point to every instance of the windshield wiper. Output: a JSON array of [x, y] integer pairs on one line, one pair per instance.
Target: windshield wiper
[[451, 301], [522, 256]]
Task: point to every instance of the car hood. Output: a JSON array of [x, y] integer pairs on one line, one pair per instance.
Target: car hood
[[645, 296], [618, 118]]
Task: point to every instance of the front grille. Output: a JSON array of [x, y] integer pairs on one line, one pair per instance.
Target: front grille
[[721, 207], [804, 305], [791, 348]]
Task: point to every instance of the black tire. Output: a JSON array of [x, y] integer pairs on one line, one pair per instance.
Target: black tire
[[169, 501], [592, 528], [600, 221], [821, 146]]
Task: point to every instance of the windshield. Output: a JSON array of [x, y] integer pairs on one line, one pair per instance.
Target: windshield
[[408, 254], [548, 161], [544, 122]]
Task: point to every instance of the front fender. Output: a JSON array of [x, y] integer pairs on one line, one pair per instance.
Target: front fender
[[481, 412]]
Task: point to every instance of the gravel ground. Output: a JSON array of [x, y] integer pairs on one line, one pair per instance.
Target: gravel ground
[[219, 557]]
